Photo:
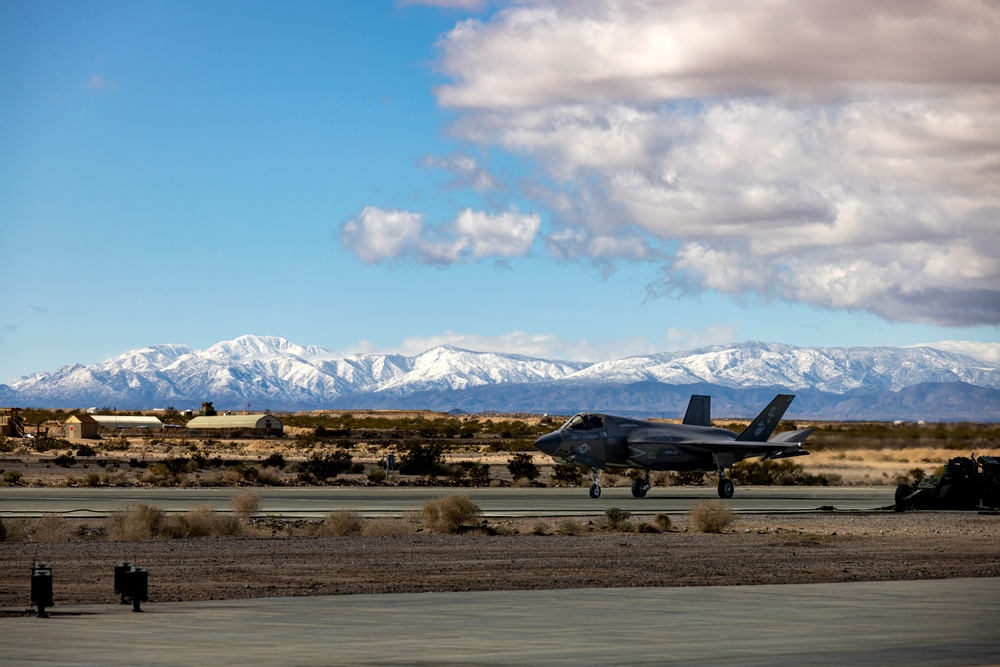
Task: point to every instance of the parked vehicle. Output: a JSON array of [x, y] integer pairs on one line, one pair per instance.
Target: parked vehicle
[[966, 484]]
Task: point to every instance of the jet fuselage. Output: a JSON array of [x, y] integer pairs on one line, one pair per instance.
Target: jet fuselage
[[597, 440]]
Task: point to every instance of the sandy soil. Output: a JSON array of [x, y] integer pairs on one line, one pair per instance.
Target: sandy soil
[[756, 549]]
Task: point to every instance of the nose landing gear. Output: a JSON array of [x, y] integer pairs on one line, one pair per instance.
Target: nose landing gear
[[595, 488]]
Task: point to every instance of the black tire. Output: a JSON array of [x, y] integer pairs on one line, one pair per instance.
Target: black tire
[[903, 492], [726, 488], [956, 498], [638, 488], [946, 497], [595, 491]]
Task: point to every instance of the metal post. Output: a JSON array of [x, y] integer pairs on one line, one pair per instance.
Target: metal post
[[41, 588], [138, 586], [121, 575]]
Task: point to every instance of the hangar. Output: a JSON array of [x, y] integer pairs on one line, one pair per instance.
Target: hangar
[[127, 421], [261, 422]]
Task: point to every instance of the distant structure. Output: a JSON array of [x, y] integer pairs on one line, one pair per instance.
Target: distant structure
[[81, 427], [207, 410], [11, 423], [115, 422], [259, 422]]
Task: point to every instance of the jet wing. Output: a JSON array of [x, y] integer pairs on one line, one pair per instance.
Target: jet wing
[[782, 445]]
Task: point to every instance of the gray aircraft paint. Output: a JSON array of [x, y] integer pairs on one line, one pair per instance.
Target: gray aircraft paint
[[599, 441]]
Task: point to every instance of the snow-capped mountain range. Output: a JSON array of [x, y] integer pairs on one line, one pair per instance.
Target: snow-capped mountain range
[[273, 373]]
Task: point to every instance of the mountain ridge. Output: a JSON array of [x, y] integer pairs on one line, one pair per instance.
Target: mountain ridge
[[269, 371]]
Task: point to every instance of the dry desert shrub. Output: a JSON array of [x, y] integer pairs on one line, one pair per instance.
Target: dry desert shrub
[[50, 528], [202, 521], [210, 479], [711, 516], [340, 523], [612, 480], [232, 477], [662, 521], [246, 504], [137, 522], [386, 527], [269, 476], [116, 478], [540, 528], [17, 530], [618, 519], [569, 527], [447, 513]]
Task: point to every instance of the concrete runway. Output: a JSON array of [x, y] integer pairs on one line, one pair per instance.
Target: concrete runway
[[945, 622], [315, 502]]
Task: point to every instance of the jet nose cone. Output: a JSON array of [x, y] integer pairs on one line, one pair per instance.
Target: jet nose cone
[[548, 443]]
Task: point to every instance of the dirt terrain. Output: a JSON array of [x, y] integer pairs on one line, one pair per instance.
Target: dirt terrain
[[272, 560], [755, 549]]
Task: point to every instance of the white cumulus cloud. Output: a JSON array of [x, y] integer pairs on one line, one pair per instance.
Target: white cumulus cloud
[[840, 154], [987, 352], [550, 346], [380, 235]]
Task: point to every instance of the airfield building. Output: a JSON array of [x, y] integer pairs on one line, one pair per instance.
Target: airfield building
[[11, 423], [81, 427], [257, 422], [116, 422]]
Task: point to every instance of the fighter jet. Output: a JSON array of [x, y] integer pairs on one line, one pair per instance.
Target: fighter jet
[[599, 441]]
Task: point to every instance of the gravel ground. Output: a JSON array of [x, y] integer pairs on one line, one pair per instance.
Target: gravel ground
[[756, 549]]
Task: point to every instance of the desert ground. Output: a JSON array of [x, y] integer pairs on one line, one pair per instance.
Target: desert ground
[[253, 556], [525, 554]]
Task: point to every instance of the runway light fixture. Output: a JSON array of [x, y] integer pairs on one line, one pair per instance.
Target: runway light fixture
[[132, 584], [121, 572], [41, 588]]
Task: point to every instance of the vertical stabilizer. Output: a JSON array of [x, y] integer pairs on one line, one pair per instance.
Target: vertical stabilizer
[[699, 412], [761, 428]]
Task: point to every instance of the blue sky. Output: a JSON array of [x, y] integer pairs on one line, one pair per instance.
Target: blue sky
[[550, 178]]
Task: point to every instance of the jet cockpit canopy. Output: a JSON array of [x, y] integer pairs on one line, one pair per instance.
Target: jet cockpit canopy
[[584, 422]]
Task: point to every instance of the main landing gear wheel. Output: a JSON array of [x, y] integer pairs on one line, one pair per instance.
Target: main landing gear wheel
[[595, 491], [639, 488], [726, 488]]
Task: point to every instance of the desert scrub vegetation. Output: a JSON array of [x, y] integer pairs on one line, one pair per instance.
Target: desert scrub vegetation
[[146, 522], [617, 519], [448, 514], [387, 527], [246, 504], [711, 516], [777, 473], [321, 467], [340, 524], [522, 466], [568, 527], [662, 521], [885, 435], [468, 473], [419, 458], [567, 474]]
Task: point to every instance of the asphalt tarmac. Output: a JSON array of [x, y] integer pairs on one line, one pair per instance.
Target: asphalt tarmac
[[373, 501], [944, 622]]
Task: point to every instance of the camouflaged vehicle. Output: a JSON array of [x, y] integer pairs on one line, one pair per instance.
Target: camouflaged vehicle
[[965, 484]]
